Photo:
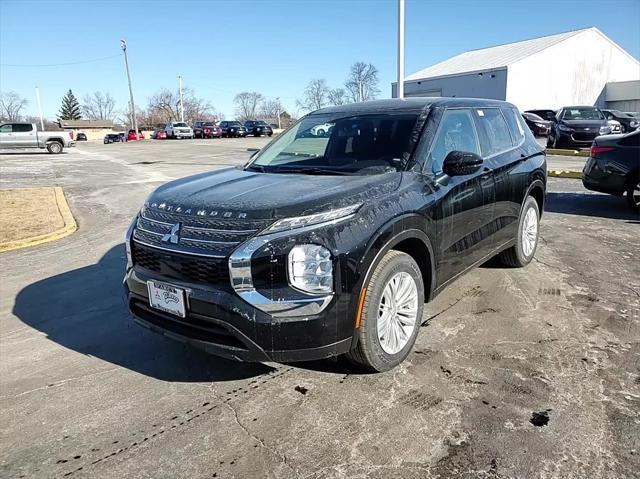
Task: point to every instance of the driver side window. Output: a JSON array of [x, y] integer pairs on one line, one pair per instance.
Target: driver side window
[[456, 132]]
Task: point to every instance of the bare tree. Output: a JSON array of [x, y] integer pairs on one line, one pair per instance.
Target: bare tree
[[99, 106], [315, 95], [362, 84], [48, 124], [337, 96], [247, 103], [164, 106], [270, 109], [11, 106]]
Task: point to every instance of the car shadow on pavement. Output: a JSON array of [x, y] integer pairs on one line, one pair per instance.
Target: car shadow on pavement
[[589, 204], [84, 310]]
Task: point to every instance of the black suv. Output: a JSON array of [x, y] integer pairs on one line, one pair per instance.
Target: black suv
[[258, 128], [232, 129], [577, 126], [325, 246]]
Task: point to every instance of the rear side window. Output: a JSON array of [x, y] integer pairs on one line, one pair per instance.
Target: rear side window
[[515, 125], [494, 132], [456, 132], [22, 127]]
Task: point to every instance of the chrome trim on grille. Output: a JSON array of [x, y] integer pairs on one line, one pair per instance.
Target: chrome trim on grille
[[178, 251], [290, 302]]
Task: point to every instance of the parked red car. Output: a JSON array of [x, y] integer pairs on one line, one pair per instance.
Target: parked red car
[[131, 136], [158, 134], [206, 129]]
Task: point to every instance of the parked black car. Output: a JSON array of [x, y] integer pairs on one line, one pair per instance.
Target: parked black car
[[231, 129], [614, 167], [258, 128], [537, 125], [112, 138], [81, 137], [319, 248], [548, 115], [577, 126], [628, 122]]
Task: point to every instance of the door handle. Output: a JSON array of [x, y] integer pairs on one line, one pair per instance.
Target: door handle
[[486, 173]]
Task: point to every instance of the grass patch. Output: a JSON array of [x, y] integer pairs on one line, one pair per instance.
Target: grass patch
[[27, 213]]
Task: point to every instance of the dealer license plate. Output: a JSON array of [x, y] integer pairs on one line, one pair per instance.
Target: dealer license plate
[[166, 298]]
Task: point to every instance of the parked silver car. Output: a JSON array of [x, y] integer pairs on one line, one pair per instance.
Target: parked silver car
[[178, 129]]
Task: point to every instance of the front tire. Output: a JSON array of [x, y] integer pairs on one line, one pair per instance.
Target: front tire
[[524, 250], [54, 147], [391, 313]]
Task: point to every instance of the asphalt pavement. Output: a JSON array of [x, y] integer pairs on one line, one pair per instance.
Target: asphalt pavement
[[531, 372]]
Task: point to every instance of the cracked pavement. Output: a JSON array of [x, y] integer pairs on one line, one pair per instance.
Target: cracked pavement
[[530, 372]]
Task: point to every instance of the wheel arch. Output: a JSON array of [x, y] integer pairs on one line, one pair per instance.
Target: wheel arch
[[412, 241], [536, 189]]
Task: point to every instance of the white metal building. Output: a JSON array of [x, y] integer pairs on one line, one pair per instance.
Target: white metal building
[[571, 68]]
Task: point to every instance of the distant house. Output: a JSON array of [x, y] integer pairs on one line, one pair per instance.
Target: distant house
[[94, 129], [582, 67]]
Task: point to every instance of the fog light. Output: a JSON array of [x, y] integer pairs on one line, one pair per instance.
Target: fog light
[[311, 269]]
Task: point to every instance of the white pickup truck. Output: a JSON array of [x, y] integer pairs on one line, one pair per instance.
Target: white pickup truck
[[26, 135]]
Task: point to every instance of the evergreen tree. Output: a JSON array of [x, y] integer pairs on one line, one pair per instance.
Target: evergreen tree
[[70, 109]]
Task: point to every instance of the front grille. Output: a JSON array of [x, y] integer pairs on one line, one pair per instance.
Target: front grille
[[211, 271], [586, 137], [206, 236]]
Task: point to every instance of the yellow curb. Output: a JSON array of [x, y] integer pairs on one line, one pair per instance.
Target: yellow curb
[[69, 227], [565, 174], [551, 151]]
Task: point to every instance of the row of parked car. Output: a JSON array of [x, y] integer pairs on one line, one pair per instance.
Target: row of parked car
[[578, 126], [201, 129]]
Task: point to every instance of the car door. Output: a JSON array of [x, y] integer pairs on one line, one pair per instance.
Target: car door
[[6, 135], [24, 135], [464, 203], [502, 138]]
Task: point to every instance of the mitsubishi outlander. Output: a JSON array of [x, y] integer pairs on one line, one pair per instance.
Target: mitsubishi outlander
[[323, 245]]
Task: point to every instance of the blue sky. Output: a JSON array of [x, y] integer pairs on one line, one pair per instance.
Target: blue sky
[[274, 47]]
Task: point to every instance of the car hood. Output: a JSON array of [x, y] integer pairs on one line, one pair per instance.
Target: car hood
[[248, 194], [584, 123]]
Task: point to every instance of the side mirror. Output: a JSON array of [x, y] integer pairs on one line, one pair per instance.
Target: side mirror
[[460, 163]]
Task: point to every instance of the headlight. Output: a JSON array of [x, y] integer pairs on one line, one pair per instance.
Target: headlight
[[633, 124], [301, 221], [541, 125], [310, 268], [605, 130], [564, 128], [127, 242]]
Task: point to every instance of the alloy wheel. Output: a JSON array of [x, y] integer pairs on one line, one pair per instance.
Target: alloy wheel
[[397, 312], [529, 232]]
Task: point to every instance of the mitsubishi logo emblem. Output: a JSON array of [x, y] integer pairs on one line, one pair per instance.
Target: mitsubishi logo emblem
[[173, 237]]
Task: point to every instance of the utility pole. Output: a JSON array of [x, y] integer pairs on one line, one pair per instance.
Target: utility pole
[[278, 100], [400, 48], [181, 104], [123, 45], [39, 108]]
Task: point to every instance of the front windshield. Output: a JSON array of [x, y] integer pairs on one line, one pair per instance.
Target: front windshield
[[335, 144], [234, 123], [260, 122], [180, 124], [208, 123], [582, 114]]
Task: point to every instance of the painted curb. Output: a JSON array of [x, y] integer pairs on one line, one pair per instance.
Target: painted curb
[[69, 227], [576, 175], [551, 151]]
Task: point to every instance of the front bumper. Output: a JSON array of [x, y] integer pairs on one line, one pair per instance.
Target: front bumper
[[220, 322]]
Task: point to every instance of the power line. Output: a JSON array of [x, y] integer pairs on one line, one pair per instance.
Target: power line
[[59, 64]]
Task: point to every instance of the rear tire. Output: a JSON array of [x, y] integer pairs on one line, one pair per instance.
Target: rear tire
[[524, 250], [54, 147], [633, 196], [395, 291]]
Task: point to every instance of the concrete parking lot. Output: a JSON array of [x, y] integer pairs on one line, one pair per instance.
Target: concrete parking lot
[[530, 372]]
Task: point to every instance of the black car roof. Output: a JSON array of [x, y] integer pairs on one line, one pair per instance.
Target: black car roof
[[412, 105]]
